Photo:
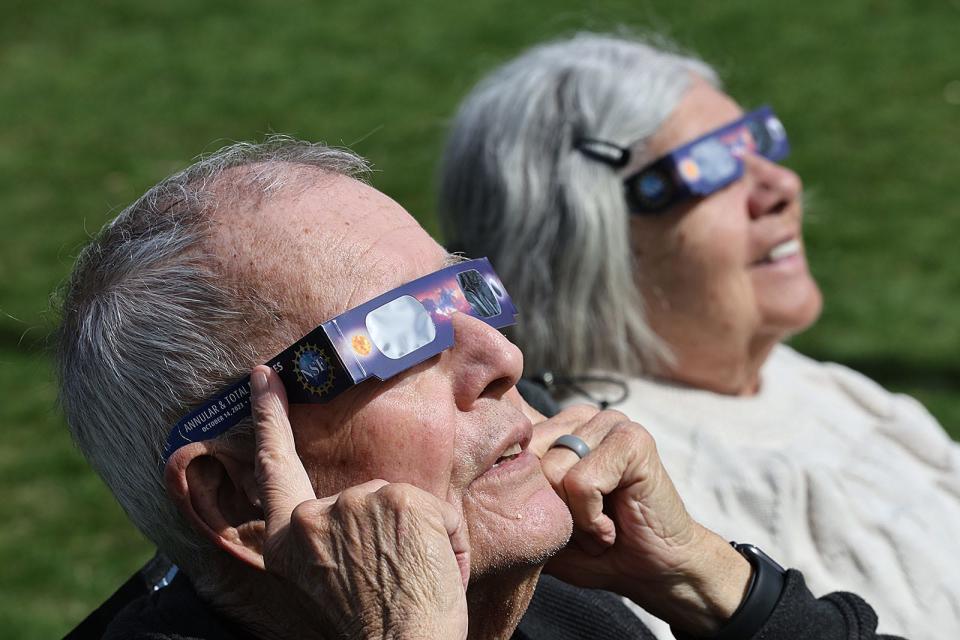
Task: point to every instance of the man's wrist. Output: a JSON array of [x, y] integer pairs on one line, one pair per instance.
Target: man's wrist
[[766, 584], [703, 591]]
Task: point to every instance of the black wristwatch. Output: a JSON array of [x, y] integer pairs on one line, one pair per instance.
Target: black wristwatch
[[763, 593]]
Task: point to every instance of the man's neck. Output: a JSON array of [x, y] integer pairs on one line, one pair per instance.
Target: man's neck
[[496, 603]]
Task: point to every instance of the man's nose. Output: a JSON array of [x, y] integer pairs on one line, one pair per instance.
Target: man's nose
[[483, 362], [773, 187]]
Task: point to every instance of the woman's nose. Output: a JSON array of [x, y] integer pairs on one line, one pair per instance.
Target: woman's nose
[[773, 187]]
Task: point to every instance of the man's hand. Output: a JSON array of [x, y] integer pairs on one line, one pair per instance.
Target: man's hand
[[376, 560], [632, 534]]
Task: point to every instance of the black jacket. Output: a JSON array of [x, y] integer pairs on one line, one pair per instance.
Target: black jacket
[[558, 611]]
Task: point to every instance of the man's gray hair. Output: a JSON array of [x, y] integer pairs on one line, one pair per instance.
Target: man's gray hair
[[553, 221], [150, 326]]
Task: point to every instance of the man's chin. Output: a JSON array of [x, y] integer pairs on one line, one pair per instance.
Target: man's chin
[[504, 576], [507, 537]]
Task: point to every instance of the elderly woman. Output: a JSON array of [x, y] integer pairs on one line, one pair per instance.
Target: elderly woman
[[643, 224]]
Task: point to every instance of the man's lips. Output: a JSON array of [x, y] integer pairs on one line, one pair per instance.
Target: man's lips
[[510, 447], [511, 453], [524, 462]]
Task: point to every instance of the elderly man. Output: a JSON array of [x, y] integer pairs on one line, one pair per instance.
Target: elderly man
[[421, 503]]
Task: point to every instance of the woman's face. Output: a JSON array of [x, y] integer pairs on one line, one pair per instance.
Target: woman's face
[[726, 271]]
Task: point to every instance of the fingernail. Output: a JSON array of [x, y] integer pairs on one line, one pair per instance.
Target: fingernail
[[258, 382]]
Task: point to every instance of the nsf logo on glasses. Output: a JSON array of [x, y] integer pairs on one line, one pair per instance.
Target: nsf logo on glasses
[[314, 369]]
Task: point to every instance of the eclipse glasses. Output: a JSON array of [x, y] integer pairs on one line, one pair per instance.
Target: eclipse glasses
[[697, 168], [378, 339]]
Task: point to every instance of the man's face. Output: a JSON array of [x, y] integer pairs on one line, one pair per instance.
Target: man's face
[[442, 425]]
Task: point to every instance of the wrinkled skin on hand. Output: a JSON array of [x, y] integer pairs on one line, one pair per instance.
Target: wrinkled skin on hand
[[632, 533], [377, 560]]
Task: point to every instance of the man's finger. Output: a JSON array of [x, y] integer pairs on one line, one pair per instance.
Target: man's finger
[[459, 538], [582, 421], [282, 480], [567, 421], [583, 483], [585, 487], [613, 463]]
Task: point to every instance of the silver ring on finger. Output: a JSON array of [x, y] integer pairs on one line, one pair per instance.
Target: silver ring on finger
[[575, 444]]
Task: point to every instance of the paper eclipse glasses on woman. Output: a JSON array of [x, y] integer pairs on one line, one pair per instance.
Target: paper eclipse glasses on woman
[[380, 338], [697, 168]]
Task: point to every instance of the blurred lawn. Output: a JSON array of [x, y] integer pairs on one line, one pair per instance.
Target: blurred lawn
[[101, 99]]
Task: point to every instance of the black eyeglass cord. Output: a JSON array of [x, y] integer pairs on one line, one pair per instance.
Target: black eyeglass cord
[[559, 384]]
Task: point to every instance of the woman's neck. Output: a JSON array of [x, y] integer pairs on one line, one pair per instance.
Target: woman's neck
[[726, 369]]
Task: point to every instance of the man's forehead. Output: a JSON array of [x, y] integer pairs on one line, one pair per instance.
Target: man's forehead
[[321, 248]]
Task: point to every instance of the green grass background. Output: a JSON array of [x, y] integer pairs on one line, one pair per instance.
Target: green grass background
[[98, 100]]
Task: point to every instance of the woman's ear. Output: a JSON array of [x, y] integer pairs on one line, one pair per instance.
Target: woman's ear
[[216, 491]]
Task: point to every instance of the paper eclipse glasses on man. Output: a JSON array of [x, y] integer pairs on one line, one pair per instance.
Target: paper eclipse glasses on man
[[380, 338], [697, 168]]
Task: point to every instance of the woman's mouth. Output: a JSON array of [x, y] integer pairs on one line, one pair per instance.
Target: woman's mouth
[[782, 251]]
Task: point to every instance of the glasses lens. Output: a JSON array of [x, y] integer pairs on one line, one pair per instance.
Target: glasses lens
[[762, 137], [650, 191], [652, 187], [400, 327], [716, 162], [478, 292]]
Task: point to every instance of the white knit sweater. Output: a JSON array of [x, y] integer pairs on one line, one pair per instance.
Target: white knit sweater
[[827, 472]]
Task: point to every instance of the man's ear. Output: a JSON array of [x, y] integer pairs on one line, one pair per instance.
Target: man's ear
[[216, 491]]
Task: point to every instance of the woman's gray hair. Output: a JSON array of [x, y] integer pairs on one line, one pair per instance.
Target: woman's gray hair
[[150, 326], [553, 221]]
